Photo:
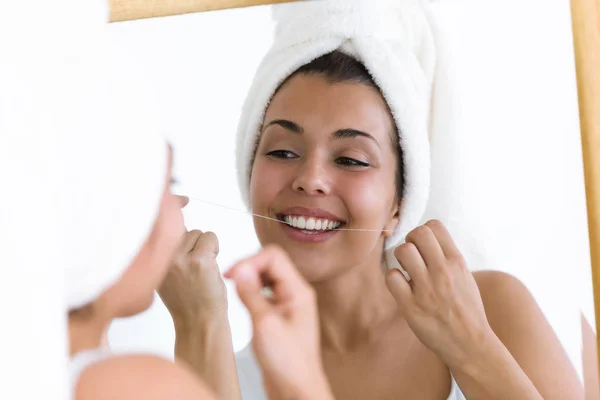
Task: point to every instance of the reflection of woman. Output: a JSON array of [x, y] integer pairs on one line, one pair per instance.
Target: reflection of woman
[[118, 179], [140, 226], [325, 156]]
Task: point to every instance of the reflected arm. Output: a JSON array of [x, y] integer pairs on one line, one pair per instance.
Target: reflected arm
[[590, 361], [208, 349]]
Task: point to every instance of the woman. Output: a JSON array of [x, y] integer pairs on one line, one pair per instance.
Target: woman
[[335, 145]]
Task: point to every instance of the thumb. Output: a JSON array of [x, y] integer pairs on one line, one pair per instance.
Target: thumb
[[248, 286]]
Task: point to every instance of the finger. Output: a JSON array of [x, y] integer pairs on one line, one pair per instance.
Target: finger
[[248, 286], [206, 243], [274, 266], [444, 239], [399, 287], [203, 256], [411, 261], [429, 248], [189, 240]]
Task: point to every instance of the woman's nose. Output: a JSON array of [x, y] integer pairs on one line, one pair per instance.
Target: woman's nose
[[312, 179], [183, 200]]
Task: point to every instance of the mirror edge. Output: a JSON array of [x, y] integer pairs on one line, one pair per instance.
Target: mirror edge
[[129, 10], [585, 15]]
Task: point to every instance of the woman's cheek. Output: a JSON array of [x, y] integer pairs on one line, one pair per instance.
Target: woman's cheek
[[365, 191], [267, 180]]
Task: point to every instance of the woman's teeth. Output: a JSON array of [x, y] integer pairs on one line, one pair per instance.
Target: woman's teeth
[[310, 223]]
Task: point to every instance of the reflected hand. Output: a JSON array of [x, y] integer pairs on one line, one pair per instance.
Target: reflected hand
[[193, 289], [286, 331], [441, 302]]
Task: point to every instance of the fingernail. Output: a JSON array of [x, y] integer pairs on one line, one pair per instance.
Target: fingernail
[[237, 272], [243, 274], [228, 274]]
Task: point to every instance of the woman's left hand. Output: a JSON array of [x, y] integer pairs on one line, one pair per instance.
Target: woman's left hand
[[286, 325], [441, 302]]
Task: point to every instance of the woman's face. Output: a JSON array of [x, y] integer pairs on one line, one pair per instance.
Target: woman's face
[[325, 160], [151, 265]]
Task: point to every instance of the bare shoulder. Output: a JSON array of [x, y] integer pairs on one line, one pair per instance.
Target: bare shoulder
[[520, 324], [502, 293], [496, 280], [140, 377], [510, 307]]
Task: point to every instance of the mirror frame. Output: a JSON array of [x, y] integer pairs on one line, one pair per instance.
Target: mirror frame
[[585, 16], [128, 10]]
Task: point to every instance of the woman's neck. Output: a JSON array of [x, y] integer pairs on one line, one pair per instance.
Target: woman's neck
[[355, 307]]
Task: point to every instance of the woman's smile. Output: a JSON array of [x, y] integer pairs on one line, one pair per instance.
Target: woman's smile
[[309, 225]]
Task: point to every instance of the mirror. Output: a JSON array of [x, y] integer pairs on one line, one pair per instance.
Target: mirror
[[521, 135]]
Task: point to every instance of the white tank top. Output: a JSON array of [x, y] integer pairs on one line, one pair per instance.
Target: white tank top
[[251, 379]]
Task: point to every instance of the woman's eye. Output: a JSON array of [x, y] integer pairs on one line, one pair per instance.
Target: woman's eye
[[286, 154], [173, 185], [351, 162]]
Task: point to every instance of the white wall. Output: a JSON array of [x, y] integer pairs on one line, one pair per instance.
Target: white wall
[[523, 145]]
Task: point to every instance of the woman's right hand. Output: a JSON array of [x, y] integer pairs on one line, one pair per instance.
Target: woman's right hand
[[193, 290], [286, 331]]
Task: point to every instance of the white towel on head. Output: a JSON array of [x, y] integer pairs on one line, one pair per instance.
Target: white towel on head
[[117, 160], [399, 43]]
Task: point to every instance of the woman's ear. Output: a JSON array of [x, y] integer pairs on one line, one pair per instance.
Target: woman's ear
[[394, 219]]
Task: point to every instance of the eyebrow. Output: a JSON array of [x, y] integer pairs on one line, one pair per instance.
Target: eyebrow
[[352, 133], [288, 125], [347, 133]]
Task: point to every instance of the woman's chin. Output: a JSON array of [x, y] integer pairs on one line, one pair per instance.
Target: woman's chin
[[136, 306], [317, 260], [314, 266]]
